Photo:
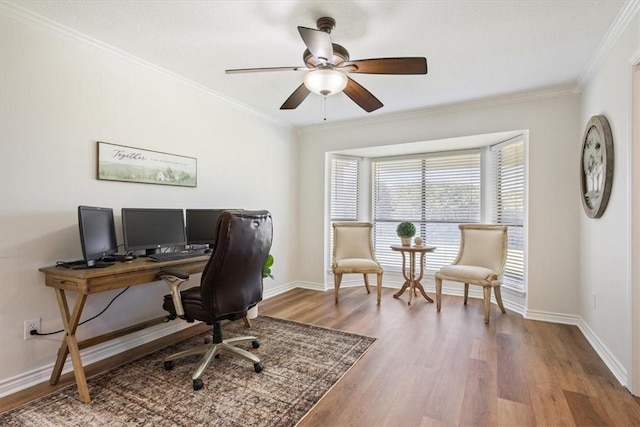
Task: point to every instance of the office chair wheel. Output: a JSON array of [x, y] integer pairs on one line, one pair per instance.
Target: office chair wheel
[[257, 367], [255, 344], [198, 384], [168, 365]]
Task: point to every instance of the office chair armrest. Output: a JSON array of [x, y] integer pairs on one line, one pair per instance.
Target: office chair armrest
[[173, 279]]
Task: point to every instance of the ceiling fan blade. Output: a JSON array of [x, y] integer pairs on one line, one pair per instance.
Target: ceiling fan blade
[[318, 42], [407, 65], [259, 70], [361, 96], [296, 98]]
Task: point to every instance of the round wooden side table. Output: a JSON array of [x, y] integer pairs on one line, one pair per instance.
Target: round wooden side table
[[411, 281]]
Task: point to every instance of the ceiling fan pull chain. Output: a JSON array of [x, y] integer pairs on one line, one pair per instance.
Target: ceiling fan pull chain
[[324, 107]]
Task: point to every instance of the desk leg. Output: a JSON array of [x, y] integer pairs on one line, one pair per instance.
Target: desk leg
[[69, 344], [407, 280]]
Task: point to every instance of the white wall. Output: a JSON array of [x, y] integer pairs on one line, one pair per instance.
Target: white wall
[[605, 247], [552, 121], [59, 96]]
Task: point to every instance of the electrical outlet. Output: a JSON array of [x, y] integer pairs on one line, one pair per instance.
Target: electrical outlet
[[30, 325]]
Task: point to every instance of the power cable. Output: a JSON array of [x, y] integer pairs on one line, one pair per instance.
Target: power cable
[[35, 332]]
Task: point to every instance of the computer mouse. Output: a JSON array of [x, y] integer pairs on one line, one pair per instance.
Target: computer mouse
[[128, 258], [208, 251]]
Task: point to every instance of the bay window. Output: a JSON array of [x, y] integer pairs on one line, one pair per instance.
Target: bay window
[[436, 192]]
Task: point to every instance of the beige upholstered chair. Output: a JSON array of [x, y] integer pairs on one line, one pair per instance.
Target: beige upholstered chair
[[353, 253], [481, 261]]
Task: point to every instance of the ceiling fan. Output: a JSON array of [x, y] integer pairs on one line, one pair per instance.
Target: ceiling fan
[[328, 66]]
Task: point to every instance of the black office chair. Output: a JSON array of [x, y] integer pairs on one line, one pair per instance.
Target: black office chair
[[231, 284]]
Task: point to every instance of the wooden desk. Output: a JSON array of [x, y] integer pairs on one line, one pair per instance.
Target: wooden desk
[[93, 280], [411, 281]]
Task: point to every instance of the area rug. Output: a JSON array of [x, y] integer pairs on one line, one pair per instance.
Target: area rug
[[301, 364]]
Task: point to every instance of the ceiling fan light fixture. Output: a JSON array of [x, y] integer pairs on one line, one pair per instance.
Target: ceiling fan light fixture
[[325, 82]]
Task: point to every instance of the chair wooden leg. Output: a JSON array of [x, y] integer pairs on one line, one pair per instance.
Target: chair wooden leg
[[466, 293], [498, 294], [379, 287], [438, 292], [366, 283], [486, 290], [337, 278]]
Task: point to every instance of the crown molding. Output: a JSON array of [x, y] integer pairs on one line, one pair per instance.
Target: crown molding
[[25, 16], [515, 98], [618, 27]]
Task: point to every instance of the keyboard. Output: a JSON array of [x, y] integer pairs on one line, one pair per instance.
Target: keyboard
[[172, 256]]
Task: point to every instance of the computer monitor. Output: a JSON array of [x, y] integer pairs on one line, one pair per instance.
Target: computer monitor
[[202, 226], [97, 233], [152, 229]]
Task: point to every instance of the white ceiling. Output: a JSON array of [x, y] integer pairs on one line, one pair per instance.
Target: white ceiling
[[475, 49]]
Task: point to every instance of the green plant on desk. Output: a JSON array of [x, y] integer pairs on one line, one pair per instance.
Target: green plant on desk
[[266, 269]]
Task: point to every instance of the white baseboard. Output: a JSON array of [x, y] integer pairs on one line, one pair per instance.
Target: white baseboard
[[272, 292], [312, 286], [545, 316], [607, 357]]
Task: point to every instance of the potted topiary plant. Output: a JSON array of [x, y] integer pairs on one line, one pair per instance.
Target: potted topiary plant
[[406, 230]]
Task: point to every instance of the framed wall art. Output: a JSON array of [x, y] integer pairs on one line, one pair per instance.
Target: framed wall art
[[130, 164], [596, 166]]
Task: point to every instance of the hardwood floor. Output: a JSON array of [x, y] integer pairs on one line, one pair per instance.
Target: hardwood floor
[[447, 369], [452, 369]]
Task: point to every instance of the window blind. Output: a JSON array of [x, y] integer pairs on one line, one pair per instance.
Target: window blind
[[344, 198], [344, 189], [436, 192], [508, 206]]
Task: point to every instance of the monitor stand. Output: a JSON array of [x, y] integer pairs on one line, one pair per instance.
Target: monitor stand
[[82, 264], [97, 263]]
